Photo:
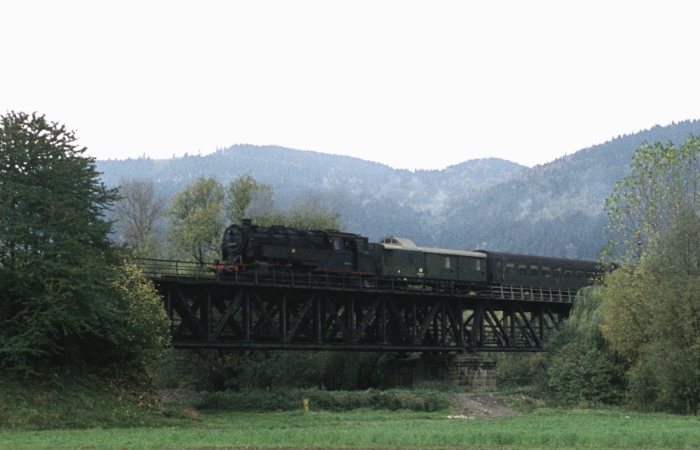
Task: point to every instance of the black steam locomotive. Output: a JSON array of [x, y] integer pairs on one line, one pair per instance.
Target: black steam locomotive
[[328, 251], [333, 252]]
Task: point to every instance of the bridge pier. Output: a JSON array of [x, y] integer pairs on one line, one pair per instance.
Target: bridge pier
[[465, 370]]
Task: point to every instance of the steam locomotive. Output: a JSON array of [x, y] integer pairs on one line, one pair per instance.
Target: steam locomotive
[[247, 245]]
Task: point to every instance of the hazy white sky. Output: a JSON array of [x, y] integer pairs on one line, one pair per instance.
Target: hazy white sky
[[412, 84]]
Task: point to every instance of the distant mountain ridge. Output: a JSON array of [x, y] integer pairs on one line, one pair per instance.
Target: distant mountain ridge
[[373, 199], [552, 209]]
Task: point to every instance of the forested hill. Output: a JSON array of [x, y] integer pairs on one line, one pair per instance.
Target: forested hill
[[552, 209], [373, 199]]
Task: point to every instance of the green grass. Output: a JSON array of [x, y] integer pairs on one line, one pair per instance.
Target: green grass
[[88, 412], [77, 400], [545, 428]]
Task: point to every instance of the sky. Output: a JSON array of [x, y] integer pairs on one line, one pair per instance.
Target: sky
[[411, 84]]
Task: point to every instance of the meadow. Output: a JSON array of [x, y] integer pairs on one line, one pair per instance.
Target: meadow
[[539, 428]]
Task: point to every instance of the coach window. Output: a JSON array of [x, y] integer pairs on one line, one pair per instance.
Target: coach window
[[545, 271], [522, 269], [557, 273], [447, 262], [567, 274], [510, 268], [534, 270], [579, 274], [478, 265]]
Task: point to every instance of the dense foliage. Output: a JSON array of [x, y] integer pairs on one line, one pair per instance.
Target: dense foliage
[[643, 323], [652, 319], [58, 267], [651, 306], [285, 399], [581, 368]]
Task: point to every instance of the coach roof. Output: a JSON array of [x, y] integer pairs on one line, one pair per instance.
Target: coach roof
[[397, 243]]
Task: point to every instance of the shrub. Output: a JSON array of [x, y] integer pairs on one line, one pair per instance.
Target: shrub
[[257, 400]]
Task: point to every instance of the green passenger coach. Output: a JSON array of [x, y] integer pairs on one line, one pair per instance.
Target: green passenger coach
[[400, 257]]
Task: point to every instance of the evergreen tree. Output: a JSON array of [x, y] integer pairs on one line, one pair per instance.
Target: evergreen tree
[[57, 265]]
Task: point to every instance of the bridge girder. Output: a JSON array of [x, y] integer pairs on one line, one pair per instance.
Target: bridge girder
[[209, 314]]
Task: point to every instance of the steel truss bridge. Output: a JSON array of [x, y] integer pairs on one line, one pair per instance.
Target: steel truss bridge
[[280, 309]]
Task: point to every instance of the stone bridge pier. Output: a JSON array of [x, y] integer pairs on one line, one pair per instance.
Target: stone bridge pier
[[465, 370]]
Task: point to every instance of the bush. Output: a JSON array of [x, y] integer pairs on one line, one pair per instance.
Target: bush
[[581, 373], [520, 369], [257, 400]]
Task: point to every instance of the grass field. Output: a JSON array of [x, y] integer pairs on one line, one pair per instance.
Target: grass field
[[542, 428]]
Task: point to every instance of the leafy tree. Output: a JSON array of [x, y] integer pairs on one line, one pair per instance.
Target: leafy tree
[[650, 305], [137, 212], [58, 304], [247, 198], [663, 182], [311, 214], [197, 221], [200, 212], [652, 318], [141, 325]]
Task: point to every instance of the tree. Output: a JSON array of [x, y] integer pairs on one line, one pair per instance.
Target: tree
[[663, 182], [311, 214], [57, 263], [197, 221], [247, 198], [142, 326], [200, 212], [652, 318], [137, 212], [650, 305]]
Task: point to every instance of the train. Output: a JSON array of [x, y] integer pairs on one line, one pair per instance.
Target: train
[[247, 245]]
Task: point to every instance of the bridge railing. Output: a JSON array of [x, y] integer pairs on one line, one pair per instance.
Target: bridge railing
[[271, 276], [161, 268]]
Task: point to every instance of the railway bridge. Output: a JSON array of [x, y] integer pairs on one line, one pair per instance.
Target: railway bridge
[[280, 309]]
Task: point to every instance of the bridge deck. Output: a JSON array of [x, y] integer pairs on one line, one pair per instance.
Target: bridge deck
[[188, 272], [279, 308]]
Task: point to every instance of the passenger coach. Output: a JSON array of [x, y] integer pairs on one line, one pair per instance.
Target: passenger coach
[[401, 257]]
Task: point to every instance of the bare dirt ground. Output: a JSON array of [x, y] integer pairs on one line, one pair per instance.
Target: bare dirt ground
[[180, 395]]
